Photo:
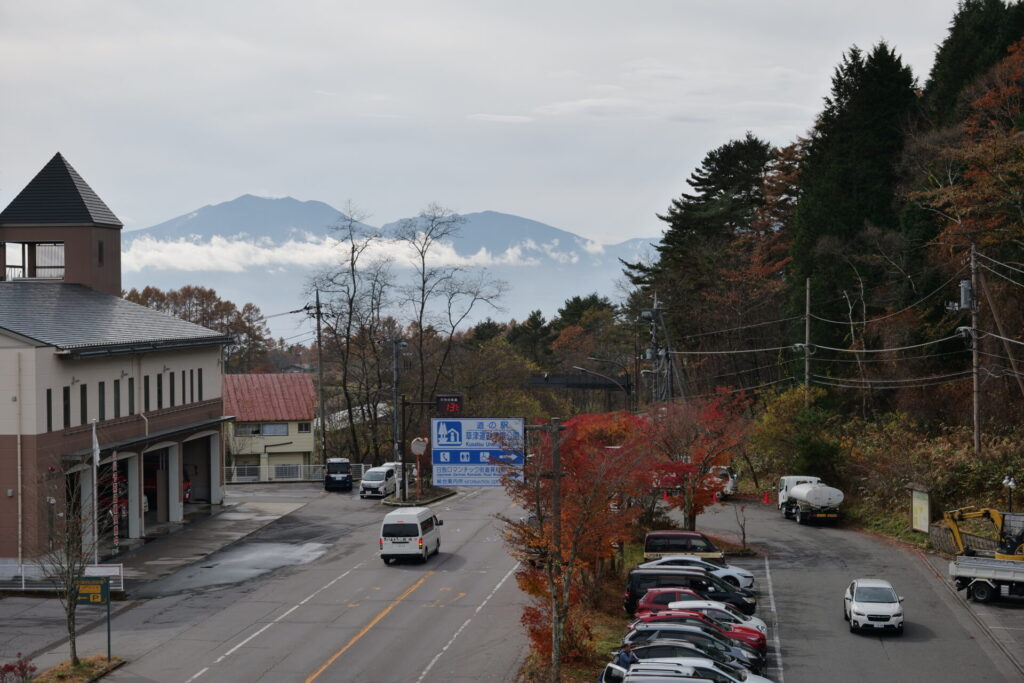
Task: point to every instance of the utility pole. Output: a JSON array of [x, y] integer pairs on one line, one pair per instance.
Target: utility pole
[[396, 403], [320, 380], [807, 342], [975, 364]]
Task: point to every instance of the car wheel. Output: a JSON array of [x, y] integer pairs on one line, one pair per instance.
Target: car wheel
[[982, 592], [799, 517], [846, 617], [425, 556], [899, 630], [387, 560], [437, 548], [853, 629]]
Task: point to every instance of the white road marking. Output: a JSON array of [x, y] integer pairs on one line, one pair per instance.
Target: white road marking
[[465, 624], [277, 619], [776, 646]]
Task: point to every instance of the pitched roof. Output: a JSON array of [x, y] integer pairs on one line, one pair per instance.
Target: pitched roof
[[85, 322], [58, 196], [259, 398]]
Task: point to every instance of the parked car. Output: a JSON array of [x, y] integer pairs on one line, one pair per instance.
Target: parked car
[[378, 481], [699, 635], [651, 672], [675, 542], [729, 481], [674, 647], [732, 574], [338, 474], [743, 634], [699, 668], [873, 604], [639, 581], [658, 599], [721, 612]]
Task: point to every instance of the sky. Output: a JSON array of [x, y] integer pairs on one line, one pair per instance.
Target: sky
[[585, 115]]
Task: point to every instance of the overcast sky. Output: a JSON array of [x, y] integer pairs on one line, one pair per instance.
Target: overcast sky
[[586, 115]]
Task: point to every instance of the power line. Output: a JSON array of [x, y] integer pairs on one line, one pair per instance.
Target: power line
[[718, 353], [895, 348], [897, 381], [998, 274], [887, 360], [743, 327], [1004, 265], [997, 336], [902, 310], [879, 387], [751, 388]]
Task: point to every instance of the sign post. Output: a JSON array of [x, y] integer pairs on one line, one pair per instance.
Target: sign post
[[418, 446], [475, 451], [95, 590]]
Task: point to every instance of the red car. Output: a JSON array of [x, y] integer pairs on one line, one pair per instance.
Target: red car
[[657, 599], [743, 634]]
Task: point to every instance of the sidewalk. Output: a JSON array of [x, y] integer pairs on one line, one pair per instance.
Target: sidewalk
[[34, 625]]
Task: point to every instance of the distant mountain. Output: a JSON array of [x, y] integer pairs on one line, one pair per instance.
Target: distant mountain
[[241, 249]]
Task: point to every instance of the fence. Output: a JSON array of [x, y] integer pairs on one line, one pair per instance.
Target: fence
[[31, 576], [942, 540], [243, 474]]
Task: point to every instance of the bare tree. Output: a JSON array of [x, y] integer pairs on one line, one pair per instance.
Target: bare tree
[[72, 546]]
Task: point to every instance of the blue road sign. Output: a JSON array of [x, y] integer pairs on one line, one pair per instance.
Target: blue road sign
[[475, 451]]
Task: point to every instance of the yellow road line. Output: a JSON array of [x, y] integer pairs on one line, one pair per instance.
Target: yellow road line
[[367, 628]]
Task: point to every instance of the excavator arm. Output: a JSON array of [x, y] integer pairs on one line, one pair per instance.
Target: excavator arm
[[1009, 525]]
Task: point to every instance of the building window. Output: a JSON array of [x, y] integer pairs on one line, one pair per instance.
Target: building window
[[170, 378], [99, 253], [83, 399], [160, 391], [191, 386], [200, 373], [183, 399], [117, 398], [145, 394], [247, 429], [49, 410], [131, 395], [275, 429], [67, 407], [102, 395], [304, 428]]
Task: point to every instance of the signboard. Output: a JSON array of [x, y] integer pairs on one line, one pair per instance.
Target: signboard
[[93, 590], [475, 451], [449, 404], [920, 512]]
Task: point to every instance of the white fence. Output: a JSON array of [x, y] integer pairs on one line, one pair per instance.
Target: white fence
[[241, 474], [31, 576]]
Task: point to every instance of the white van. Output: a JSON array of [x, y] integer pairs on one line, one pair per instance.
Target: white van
[[378, 481], [410, 532]]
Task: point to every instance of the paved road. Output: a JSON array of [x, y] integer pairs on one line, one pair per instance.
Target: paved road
[[806, 571], [309, 599]]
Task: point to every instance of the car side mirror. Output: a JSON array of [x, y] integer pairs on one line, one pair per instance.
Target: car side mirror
[[440, 522], [901, 598]]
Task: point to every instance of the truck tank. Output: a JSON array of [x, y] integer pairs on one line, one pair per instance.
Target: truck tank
[[817, 495]]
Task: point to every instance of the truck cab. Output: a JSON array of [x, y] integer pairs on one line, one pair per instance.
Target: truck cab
[[787, 483]]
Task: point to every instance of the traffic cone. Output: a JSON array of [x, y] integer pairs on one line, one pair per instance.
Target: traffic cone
[[664, 495], [767, 497]]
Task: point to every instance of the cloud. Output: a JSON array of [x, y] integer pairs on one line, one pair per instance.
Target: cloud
[[237, 255], [501, 118]]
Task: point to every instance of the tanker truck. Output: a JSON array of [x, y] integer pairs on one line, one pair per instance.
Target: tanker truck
[[808, 499]]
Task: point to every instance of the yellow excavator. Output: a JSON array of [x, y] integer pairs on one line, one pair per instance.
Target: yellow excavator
[[1009, 524]]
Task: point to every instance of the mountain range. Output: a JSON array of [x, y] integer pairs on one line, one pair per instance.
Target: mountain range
[[263, 250]]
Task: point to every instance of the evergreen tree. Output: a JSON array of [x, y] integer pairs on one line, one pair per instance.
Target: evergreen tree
[[848, 176], [979, 35]]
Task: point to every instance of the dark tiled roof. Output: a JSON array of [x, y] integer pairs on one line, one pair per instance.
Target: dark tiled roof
[[57, 196], [86, 322], [260, 398]]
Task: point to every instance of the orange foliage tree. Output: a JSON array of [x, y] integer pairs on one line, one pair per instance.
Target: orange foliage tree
[[602, 459], [687, 440]]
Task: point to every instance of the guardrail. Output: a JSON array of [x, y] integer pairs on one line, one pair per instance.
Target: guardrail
[[245, 474], [32, 576]]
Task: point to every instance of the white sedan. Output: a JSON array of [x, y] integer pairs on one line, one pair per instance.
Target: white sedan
[[734, 575], [722, 612], [873, 604]]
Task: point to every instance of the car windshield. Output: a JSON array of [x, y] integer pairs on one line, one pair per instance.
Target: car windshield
[[400, 531], [875, 594], [338, 468], [374, 476]]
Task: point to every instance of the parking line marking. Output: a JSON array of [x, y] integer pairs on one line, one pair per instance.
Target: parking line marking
[[771, 601], [366, 629], [465, 624], [200, 673]]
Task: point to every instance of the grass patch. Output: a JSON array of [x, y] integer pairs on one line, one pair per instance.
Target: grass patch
[[889, 525], [89, 667]]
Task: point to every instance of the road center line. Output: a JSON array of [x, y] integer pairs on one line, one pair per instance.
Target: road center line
[[465, 624], [278, 619], [776, 645], [366, 629]]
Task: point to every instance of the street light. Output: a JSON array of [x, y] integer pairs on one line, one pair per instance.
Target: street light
[[624, 390], [625, 373]]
